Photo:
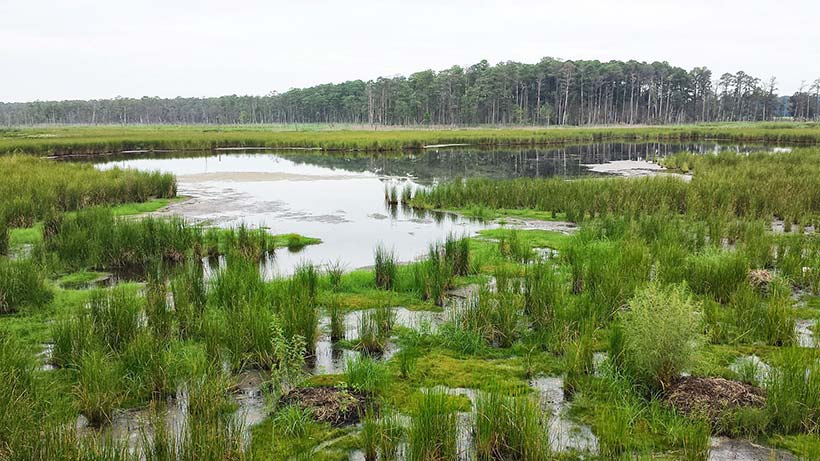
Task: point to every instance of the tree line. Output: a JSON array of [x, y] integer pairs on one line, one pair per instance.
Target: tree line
[[550, 92]]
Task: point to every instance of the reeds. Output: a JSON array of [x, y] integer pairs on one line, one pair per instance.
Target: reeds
[[22, 283], [32, 187], [433, 433], [385, 269], [365, 374], [509, 427]]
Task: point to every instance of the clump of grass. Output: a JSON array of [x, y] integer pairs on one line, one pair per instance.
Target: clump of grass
[[190, 298], [335, 271], [716, 273], [793, 392], [457, 254], [207, 391], [374, 329], [337, 322], [509, 427], [116, 316], [385, 268], [433, 276], [661, 335], [97, 390], [365, 374], [512, 246], [292, 421], [391, 194], [21, 284], [544, 294], [4, 234], [433, 433], [407, 193], [298, 309], [495, 316]]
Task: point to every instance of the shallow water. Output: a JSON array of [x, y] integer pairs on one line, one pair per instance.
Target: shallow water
[[339, 197]]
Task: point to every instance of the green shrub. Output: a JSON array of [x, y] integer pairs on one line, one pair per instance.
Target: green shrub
[[661, 335]]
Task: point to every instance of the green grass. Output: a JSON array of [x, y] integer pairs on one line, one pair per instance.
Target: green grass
[[62, 140], [294, 241], [531, 238]]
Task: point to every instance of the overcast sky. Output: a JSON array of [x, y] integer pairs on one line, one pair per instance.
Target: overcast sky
[[84, 49]]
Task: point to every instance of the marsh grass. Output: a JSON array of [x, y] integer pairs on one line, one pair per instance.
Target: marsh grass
[[33, 187], [117, 316], [793, 391], [22, 283], [365, 374], [297, 306], [509, 427], [385, 268], [495, 316], [97, 392], [433, 432]]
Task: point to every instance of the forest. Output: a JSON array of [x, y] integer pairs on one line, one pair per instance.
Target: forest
[[550, 92]]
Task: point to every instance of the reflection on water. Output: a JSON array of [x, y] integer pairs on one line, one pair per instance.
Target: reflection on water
[[339, 197]]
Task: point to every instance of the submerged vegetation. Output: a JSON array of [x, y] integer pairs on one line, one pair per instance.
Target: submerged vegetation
[[677, 311]]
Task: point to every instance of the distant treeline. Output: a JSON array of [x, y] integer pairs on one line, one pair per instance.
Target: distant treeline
[[551, 92]]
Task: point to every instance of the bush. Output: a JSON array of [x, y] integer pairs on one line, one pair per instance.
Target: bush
[[661, 335]]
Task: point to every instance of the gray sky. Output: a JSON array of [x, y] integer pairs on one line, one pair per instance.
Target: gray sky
[[88, 49]]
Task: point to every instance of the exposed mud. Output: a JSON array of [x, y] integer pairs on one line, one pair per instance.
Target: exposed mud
[[564, 227], [634, 169], [726, 449]]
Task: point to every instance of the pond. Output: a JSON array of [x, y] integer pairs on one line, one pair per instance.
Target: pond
[[339, 197]]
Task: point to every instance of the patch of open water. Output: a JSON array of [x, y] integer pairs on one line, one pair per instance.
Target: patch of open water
[[339, 197]]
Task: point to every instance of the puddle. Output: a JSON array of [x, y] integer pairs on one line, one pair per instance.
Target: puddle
[[751, 366], [804, 329], [127, 424], [46, 356], [564, 434], [726, 449]]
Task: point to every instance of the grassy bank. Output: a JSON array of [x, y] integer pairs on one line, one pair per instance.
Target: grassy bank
[[67, 140], [32, 188]]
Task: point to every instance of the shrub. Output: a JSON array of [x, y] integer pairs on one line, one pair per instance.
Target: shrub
[[661, 335]]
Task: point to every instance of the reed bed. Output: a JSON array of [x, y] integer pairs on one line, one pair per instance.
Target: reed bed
[[32, 188], [756, 186], [106, 139], [22, 284]]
